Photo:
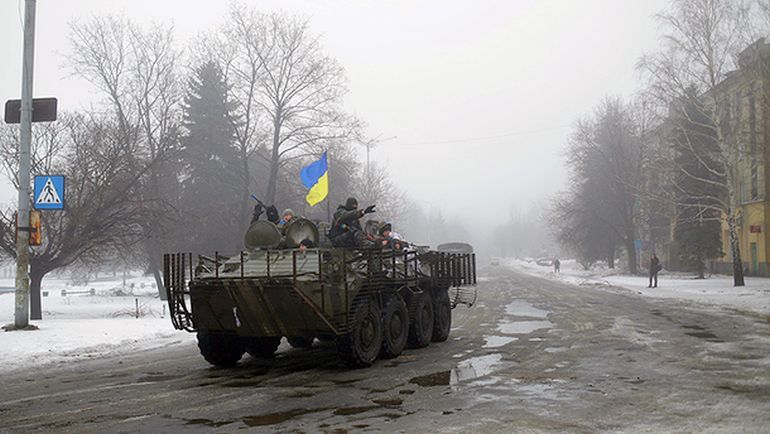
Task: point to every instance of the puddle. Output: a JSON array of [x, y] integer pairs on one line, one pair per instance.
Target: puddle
[[274, 418], [497, 341], [208, 422], [469, 369], [523, 327], [435, 379], [348, 411], [711, 337], [388, 402], [522, 308]]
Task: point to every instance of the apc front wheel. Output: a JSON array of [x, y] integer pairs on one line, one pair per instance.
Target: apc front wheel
[[300, 342], [263, 347], [360, 347], [221, 349]]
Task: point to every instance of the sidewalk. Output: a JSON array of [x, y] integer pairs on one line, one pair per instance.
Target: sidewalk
[[716, 290], [79, 326]]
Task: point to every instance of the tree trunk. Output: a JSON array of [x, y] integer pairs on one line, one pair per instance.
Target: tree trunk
[[611, 259], [35, 305], [155, 267], [274, 159], [735, 250], [246, 174], [632, 260]]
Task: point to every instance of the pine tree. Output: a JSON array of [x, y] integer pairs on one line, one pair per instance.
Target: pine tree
[[698, 225], [210, 181]]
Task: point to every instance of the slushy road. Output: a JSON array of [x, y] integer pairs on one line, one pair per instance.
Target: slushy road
[[531, 356]]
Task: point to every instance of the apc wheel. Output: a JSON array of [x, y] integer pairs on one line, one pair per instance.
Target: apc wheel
[[263, 347], [221, 349], [395, 327], [421, 321], [300, 342], [442, 316], [360, 347]]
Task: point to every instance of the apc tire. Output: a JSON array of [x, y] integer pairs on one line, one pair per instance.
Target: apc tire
[[421, 321], [442, 316], [300, 342], [360, 347], [221, 349], [262, 347], [395, 327]]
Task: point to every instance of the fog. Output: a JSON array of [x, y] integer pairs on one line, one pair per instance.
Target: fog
[[474, 101]]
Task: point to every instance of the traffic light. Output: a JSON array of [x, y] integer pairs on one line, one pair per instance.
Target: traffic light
[[35, 229]]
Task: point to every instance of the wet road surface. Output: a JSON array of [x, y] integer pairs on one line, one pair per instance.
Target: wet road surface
[[531, 356]]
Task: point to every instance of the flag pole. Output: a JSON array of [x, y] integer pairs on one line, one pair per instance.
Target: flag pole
[[329, 183]]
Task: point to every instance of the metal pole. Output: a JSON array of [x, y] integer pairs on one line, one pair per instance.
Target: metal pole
[[22, 241], [329, 184]]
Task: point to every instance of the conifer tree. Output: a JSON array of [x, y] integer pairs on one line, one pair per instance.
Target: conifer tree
[[210, 185]]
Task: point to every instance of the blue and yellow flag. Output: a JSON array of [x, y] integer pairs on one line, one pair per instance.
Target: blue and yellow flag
[[315, 176]]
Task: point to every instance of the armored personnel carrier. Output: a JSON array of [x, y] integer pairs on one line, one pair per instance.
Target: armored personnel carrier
[[372, 302]]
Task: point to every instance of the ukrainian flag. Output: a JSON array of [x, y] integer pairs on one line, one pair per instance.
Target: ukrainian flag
[[315, 176]]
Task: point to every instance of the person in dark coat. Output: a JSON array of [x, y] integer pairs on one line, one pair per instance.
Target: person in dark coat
[[655, 267], [346, 230]]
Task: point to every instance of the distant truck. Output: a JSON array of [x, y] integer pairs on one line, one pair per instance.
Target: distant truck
[[372, 302]]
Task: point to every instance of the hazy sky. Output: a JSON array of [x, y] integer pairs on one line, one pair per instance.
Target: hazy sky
[[480, 94]]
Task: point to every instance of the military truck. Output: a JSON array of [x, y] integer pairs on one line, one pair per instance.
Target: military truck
[[372, 302]]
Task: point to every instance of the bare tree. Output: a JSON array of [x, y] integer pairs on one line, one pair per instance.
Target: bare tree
[[375, 187], [605, 156], [296, 89], [700, 55], [102, 213], [136, 69]]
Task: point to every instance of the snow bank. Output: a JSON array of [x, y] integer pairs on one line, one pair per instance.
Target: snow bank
[[717, 290], [78, 326]]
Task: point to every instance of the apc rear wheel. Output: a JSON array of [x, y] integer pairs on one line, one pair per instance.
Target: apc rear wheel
[[421, 321], [263, 347], [221, 349], [395, 327], [442, 316], [360, 347]]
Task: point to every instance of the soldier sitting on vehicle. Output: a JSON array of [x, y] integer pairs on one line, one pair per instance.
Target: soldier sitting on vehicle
[[390, 238], [272, 213], [287, 216], [346, 229]]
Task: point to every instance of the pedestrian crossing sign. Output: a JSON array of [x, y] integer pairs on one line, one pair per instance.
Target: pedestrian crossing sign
[[49, 192]]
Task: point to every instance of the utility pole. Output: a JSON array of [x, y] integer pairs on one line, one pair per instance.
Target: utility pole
[[22, 241]]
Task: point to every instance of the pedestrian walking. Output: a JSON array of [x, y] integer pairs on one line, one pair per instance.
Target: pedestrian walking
[[655, 267]]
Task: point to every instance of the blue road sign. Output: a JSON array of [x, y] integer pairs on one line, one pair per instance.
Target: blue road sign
[[49, 192]]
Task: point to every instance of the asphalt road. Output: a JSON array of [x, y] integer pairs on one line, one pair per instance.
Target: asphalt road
[[531, 356]]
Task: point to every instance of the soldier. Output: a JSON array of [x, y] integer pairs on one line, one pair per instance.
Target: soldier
[[287, 216], [272, 212], [389, 238], [346, 230]]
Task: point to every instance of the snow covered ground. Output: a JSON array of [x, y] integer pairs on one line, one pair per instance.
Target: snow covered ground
[[77, 325], [716, 290]]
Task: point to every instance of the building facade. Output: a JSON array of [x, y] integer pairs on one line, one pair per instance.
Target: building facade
[[744, 97]]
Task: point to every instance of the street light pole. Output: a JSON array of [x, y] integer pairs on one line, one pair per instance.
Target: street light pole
[[22, 241]]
